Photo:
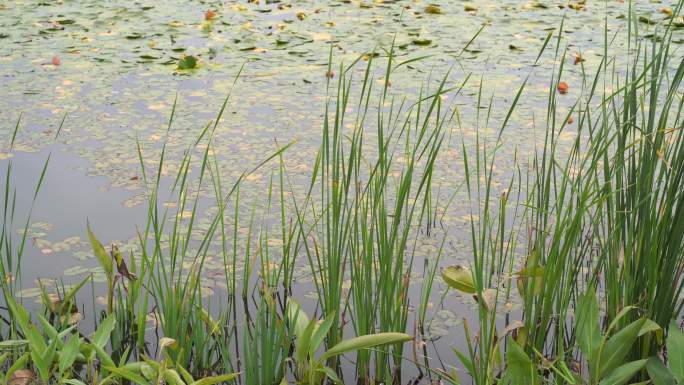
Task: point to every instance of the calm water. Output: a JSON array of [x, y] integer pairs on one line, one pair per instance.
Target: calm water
[[117, 79]]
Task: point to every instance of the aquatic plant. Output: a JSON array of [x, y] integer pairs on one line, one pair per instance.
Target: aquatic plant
[[639, 236], [310, 335]]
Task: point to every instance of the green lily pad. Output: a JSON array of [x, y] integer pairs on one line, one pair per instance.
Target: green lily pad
[[422, 42], [187, 63]]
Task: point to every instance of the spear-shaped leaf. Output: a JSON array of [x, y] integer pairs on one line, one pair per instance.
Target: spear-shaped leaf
[[104, 259], [365, 342], [459, 278]]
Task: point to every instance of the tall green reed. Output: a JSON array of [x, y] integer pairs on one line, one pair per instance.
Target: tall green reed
[[374, 194], [640, 237]]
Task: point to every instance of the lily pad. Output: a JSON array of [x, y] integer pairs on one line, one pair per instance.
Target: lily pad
[[422, 42], [187, 62]]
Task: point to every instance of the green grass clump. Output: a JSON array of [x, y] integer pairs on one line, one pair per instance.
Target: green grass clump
[[601, 216]]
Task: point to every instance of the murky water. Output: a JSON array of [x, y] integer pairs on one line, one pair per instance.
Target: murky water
[[117, 79]]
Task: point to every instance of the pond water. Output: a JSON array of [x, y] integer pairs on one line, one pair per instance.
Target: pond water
[[110, 70]]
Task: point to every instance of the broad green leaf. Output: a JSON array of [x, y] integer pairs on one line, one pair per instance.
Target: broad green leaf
[[11, 344], [624, 373], [103, 356], [151, 363], [69, 353], [302, 344], [364, 342], [48, 329], [128, 374], [519, 367], [148, 371], [330, 374], [187, 377], [99, 251], [297, 317], [650, 327], [134, 366], [587, 325], [618, 346], [625, 310], [660, 375], [216, 379], [43, 362], [27, 327], [675, 351], [320, 332], [459, 278], [104, 330], [172, 377]]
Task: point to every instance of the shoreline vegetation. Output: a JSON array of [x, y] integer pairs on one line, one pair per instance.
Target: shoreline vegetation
[[587, 239]]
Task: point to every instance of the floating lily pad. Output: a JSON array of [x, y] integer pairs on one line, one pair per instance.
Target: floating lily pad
[[187, 62], [134, 36], [422, 42]]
